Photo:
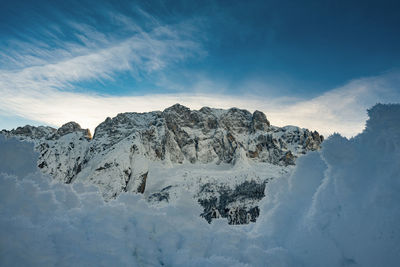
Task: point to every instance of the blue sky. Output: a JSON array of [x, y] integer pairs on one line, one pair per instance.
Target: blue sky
[[86, 60]]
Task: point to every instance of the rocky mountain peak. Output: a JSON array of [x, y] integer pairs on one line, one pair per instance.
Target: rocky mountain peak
[[124, 124], [237, 120], [207, 118], [177, 108], [71, 127], [259, 121], [29, 131]]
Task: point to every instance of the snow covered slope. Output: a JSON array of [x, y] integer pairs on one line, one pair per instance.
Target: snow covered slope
[[224, 158]]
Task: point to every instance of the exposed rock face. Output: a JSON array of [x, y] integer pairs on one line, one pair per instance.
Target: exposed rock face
[[259, 121], [232, 203], [117, 158], [71, 127], [31, 132]]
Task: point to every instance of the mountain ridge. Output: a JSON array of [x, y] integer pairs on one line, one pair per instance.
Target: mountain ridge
[[124, 149]]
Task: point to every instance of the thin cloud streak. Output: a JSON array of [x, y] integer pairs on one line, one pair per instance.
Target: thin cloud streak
[[140, 54], [36, 81]]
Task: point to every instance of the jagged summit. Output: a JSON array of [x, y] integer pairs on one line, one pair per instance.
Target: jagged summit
[[179, 134], [124, 150], [71, 127], [46, 132], [29, 131], [177, 108]]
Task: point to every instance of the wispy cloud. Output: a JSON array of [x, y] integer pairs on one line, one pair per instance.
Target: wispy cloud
[[142, 53], [36, 79], [37, 76]]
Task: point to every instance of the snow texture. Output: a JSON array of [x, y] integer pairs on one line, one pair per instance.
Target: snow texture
[[340, 207]]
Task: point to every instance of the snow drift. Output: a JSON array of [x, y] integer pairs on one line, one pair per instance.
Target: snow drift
[[339, 208]]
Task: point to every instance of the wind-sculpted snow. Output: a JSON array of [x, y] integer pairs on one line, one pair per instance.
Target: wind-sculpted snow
[[52, 224], [340, 207]]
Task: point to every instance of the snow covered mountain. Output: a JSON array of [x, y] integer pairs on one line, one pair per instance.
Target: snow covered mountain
[[224, 158], [339, 207]]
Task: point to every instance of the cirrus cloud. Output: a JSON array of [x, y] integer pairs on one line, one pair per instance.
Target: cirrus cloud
[[37, 82]]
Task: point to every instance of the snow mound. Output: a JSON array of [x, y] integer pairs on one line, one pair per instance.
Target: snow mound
[[340, 207]]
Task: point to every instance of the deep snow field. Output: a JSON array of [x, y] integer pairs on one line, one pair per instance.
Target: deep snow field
[[340, 207]]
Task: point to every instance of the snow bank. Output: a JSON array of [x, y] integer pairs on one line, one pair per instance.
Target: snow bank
[[48, 224], [340, 207]]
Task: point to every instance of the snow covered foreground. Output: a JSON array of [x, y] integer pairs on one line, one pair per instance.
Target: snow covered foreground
[[340, 207]]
